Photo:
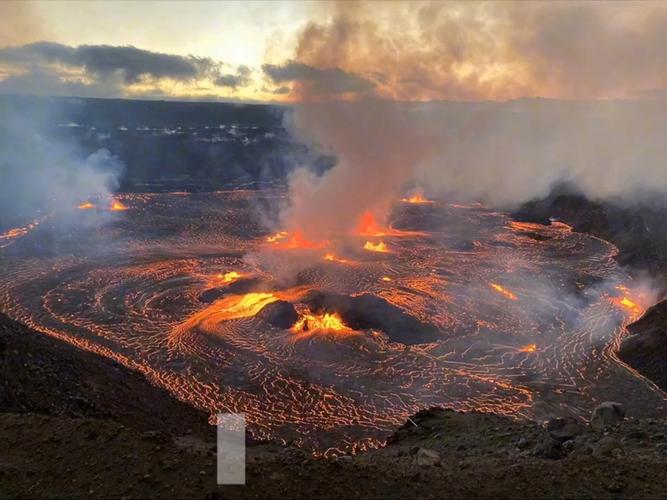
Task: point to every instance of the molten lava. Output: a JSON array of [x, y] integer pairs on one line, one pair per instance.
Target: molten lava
[[626, 302], [377, 247], [386, 278], [503, 291], [368, 226], [243, 306], [629, 304], [86, 206], [297, 240], [320, 322], [331, 257], [529, 348], [417, 199], [228, 277], [117, 205], [276, 237]]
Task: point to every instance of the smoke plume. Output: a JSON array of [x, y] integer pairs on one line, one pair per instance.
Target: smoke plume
[[43, 170], [503, 153]]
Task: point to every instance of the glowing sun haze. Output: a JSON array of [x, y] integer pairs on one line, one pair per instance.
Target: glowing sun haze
[[295, 51]]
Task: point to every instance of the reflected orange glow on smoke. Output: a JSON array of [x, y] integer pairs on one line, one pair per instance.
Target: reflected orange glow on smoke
[[376, 247], [86, 206], [503, 291]]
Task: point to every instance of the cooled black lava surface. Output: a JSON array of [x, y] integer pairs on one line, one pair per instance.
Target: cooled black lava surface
[[366, 311], [646, 347], [280, 314]]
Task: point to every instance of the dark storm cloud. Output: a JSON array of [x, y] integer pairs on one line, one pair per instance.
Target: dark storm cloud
[[318, 80], [46, 81], [102, 60], [241, 78]]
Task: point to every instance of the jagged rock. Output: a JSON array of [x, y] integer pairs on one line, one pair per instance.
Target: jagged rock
[[280, 314], [606, 415], [564, 429], [426, 457], [548, 447], [608, 447]]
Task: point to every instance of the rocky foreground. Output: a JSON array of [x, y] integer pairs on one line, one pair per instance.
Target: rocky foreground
[[73, 424]]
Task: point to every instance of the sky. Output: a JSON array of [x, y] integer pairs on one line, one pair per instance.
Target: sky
[[316, 51]]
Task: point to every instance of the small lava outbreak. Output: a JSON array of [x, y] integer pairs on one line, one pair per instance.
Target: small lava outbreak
[[494, 315]]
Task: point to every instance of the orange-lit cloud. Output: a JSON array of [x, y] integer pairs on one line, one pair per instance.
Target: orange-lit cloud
[[407, 51], [482, 51]]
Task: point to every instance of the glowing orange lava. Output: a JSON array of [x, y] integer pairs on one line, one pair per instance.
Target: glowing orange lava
[[503, 291], [117, 205], [243, 306], [86, 206], [10, 235], [276, 237], [368, 226], [529, 348], [228, 277], [331, 257], [629, 304], [416, 199], [386, 278], [296, 240], [626, 302], [377, 247], [320, 322]]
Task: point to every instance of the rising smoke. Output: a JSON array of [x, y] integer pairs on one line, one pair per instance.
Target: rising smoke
[[501, 152], [42, 168]]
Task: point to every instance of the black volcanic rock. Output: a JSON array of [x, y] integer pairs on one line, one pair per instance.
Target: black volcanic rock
[[367, 311], [42, 375], [645, 348], [280, 314], [638, 230]]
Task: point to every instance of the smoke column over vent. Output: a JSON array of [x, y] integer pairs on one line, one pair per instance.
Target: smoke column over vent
[[503, 153], [376, 155]]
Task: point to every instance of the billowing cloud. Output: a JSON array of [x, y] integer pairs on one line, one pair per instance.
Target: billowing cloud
[[318, 81], [19, 24], [491, 51]]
